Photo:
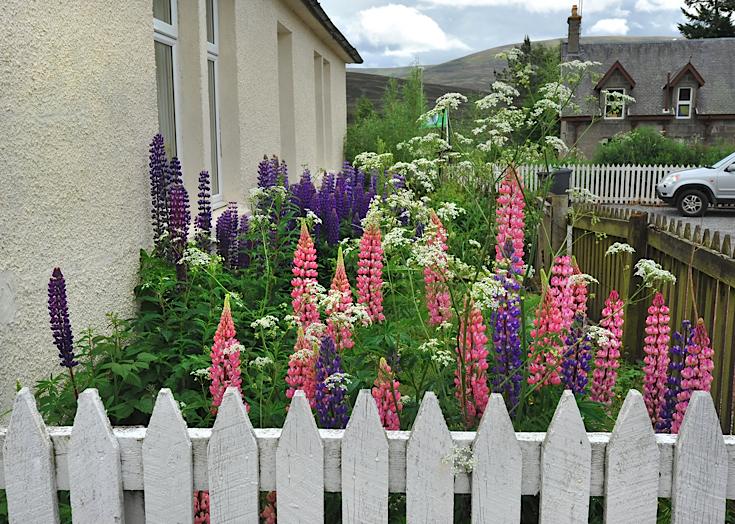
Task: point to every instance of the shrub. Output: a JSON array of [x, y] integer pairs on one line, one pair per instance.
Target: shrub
[[647, 146]]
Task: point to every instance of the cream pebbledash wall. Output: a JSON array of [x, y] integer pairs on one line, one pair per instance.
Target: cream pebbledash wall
[[78, 105]]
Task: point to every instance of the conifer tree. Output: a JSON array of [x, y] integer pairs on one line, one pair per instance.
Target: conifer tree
[[708, 19]]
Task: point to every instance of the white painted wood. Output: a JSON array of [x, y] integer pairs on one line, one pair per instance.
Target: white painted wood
[[95, 473], [566, 456], [364, 465], [497, 469], [167, 465], [300, 466], [131, 442], [700, 465], [429, 477], [232, 460], [29, 465], [632, 460]]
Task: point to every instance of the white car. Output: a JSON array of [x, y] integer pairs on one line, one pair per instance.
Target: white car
[[695, 190]]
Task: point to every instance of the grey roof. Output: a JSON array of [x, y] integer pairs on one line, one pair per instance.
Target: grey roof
[[649, 63], [318, 12]]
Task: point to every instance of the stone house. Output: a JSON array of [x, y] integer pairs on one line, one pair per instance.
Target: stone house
[[684, 88], [83, 88]]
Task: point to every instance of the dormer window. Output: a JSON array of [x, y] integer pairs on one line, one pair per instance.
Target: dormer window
[[684, 97], [614, 103]]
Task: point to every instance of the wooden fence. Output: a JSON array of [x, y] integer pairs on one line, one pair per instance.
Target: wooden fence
[[703, 263], [611, 184], [134, 474]]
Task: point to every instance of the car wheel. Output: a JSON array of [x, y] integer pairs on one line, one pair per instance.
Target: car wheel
[[693, 203]]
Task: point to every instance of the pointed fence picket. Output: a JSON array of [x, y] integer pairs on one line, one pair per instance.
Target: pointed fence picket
[[630, 468]]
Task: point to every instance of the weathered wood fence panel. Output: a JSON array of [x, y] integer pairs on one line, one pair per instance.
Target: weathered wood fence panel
[[566, 465], [703, 264]]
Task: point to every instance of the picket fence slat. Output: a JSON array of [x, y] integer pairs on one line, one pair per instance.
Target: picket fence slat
[[497, 468], [29, 465], [95, 473], [700, 465], [168, 476], [632, 461], [364, 465], [232, 459], [566, 456], [300, 466], [429, 475]]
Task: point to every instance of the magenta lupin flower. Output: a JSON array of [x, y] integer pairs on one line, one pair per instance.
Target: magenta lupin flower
[[657, 358], [338, 307], [370, 273], [438, 300], [697, 372], [511, 217], [388, 397], [470, 377], [201, 507], [301, 374], [304, 281], [225, 354], [607, 358], [579, 290], [545, 348]]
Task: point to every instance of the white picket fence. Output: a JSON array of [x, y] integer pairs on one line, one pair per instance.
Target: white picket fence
[[611, 184], [134, 474]]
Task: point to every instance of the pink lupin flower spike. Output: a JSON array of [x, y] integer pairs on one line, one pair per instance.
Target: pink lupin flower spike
[[697, 372], [388, 397], [580, 292], [304, 280], [511, 218], [607, 359], [225, 355], [201, 507], [269, 514], [470, 377], [341, 292], [437, 292], [370, 273], [301, 372], [657, 357]]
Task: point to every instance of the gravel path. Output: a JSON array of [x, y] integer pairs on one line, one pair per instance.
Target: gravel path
[[722, 220]]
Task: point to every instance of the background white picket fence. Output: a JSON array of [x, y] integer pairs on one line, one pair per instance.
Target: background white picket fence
[[149, 475], [612, 184]]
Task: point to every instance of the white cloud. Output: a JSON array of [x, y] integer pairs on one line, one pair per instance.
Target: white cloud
[[658, 5], [610, 26], [535, 6], [400, 30]]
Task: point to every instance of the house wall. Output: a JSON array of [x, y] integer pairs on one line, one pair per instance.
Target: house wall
[[78, 97]]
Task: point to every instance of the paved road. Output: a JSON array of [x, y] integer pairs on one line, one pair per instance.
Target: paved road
[[722, 220]]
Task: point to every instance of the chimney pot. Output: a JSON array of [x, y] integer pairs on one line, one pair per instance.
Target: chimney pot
[[575, 24]]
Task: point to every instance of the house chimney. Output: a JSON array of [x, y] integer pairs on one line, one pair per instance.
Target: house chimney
[[575, 23]]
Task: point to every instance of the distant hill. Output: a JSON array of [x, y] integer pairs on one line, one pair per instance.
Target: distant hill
[[477, 71], [372, 86]]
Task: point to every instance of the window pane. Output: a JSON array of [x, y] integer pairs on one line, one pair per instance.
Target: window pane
[[685, 95], [165, 91], [213, 116], [162, 10], [210, 21], [683, 110]]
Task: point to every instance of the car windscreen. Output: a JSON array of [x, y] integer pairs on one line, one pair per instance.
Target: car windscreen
[[725, 161]]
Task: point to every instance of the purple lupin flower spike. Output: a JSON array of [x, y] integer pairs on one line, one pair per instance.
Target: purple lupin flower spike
[[203, 222], [225, 224], [179, 220], [508, 369], [332, 228], [340, 204], [158, 168], [58, 311], [677, 354], [283, 174], [331, 405], [243, 243], [304, 193], [173, 175], [577, 354], [266, 173]]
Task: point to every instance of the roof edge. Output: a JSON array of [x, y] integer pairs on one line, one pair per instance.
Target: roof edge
[[318, 12]]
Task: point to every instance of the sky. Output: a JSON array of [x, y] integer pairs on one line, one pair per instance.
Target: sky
[[403, 32]]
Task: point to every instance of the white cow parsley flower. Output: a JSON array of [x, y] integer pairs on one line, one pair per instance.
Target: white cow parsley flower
[[619, 247]]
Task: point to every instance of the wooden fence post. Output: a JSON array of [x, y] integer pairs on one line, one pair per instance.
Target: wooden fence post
[[559, 211], [635, 314]]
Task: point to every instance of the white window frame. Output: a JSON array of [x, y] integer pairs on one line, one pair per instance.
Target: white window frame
[[680, 103], [168, 34], [622, 109], [213, 56]]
